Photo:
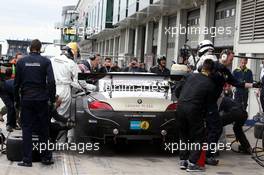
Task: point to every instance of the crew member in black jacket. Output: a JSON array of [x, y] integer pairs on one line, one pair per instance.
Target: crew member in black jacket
[[34, 86], [195, 99], [221, 76]]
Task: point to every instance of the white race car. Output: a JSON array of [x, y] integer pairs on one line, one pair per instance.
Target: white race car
[[126, 105]]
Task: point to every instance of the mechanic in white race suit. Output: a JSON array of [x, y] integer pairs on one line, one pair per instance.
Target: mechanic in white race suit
[[205, 51], [66, 76]]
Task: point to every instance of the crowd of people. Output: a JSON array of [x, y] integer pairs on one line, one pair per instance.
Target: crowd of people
[[40, 89], [92, 65]]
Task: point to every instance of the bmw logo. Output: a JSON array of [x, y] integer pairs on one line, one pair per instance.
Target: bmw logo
[[139, 101]]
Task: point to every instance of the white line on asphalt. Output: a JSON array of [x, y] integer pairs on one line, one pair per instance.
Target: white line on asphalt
[[64, 165]]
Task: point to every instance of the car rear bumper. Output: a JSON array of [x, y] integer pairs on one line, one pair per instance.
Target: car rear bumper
[[128, 125]]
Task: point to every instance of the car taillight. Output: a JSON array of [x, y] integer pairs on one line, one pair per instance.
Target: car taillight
[[98, 105], [172, 107]]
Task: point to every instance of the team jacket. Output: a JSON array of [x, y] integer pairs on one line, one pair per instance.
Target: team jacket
[[34, 79]]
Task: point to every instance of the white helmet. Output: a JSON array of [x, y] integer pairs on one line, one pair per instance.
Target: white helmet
[[204, 46], [203, 58]]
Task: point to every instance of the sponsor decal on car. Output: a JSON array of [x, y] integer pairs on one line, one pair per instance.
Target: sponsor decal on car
[[139, 125], [144, 125]]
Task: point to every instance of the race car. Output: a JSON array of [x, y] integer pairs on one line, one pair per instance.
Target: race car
[[126, 106]]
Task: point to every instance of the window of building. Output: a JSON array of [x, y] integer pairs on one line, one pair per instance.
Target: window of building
[[251, 25], [222, 14], [98, 14], [193, 22], [66, 38], [227, 12], [87, 20], [109, 14], [217, 15], [233, 12], [118, 18], [72, 38], [196, 21], [188, 22], [127, 8]]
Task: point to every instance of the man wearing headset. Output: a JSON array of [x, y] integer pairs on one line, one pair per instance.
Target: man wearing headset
[[221, 76], [160, 68], [66, 76]]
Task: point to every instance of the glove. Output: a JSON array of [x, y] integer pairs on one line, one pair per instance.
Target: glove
[[52, 106], [70, 124], [90, 88], [228, 93], [257, 84]]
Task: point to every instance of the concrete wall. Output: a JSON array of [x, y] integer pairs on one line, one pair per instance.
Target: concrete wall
[[252, 49]]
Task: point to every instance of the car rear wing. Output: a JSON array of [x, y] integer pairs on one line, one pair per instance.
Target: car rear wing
[[97, 76], [131, 82]]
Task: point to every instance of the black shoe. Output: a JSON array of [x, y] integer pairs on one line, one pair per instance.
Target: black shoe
[[17, 128], [211, 161], [243, 150], [24, 164], [47, 162], [183, 164], [194, 168], [9, 128]]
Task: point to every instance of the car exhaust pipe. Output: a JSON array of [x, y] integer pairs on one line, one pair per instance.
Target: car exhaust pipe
[[164, 133], [115, 131]]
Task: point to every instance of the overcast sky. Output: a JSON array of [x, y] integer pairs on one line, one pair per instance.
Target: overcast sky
[[22, 19]]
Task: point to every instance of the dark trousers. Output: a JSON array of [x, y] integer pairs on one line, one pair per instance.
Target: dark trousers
[[242, 98], [214, 128], [11, 112], [235, 114], [262, 99], [191, 130], [34, 113]]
